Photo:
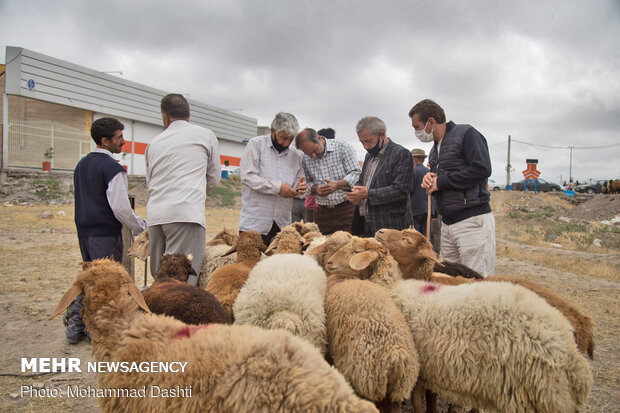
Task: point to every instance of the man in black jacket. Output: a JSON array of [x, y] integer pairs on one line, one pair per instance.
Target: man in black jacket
[[381, 194], [460, 165]]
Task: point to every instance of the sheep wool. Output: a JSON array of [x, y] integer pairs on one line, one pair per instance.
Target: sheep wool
[[491, 346], [213, 260], [285, 291], [229, 368], [369, 341]]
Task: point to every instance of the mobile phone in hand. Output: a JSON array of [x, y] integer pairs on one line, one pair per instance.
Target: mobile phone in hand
[[347, 189]]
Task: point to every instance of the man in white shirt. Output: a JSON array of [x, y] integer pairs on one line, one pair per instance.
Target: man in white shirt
[[182, 166], [101, 207], [271, 175]]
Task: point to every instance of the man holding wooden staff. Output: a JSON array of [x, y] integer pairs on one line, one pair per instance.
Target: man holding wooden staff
[[460, 165]]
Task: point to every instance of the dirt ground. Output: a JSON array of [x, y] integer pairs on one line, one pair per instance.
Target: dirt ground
[[39, 259]]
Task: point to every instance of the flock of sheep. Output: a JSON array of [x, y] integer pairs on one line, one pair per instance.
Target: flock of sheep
[[335, 324]]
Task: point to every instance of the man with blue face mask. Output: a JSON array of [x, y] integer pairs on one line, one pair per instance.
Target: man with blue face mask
[[460, 165], [381, 194]]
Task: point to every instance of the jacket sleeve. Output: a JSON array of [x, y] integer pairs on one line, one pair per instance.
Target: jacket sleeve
[[476, 153], [401, 170]]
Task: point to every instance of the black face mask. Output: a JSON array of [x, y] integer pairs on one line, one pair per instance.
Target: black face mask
[[277, 145], [374, 151]]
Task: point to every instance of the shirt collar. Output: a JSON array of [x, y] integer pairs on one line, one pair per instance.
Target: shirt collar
[[105, 151]]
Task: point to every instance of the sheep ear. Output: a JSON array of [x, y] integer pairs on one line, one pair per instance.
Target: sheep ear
[[317, 250], [66, 300], [230, 250], [428, 253], [362, 260], [271, 246], [137, 295]]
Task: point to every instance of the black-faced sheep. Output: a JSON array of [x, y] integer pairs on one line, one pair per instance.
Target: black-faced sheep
[[285, 291], [228, 368], [370, 342], [171, 295], [226, 281]]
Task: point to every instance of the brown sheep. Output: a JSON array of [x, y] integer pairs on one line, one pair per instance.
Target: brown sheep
[[226, 281], [224, 237], [140, 247], [325, 250], [228, 368], [413, 252], [287, 241], [366, 259], [404, 252], [171, 295]]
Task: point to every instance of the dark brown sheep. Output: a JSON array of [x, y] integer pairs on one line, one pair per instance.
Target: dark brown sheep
[[171, 295]]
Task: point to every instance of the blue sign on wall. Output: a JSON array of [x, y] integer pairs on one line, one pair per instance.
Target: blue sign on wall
[[31, 84]]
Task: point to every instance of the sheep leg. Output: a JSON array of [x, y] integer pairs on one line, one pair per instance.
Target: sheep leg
[[454, 408], [417, 398], [388, 406], [431, 402]]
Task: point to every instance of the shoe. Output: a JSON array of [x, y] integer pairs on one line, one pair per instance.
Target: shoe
[[74, 338]]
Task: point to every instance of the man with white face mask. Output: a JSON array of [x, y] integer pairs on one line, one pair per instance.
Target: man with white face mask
[[460, 165]]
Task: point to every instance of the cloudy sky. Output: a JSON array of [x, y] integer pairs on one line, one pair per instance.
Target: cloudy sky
[[545, 72]]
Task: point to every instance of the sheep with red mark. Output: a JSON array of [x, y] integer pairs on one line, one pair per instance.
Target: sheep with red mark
[[491, 346], [229, 368], [171, 295], [409, 248]]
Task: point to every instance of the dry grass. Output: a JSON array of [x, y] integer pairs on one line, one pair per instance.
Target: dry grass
[[575, 265]]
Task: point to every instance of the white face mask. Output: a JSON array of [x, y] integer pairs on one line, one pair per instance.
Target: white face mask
[[423, 136]]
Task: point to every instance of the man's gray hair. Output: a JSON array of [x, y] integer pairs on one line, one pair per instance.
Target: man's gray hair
[[306, 135], [285, 122], [373, 124]]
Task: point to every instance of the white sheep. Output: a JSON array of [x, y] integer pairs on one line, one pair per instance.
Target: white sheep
[[493, 347], [370, 342], [227, 368], [285, 291]]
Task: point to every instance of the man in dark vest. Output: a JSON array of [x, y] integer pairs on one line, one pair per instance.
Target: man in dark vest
[[101, 207], [460, 165]]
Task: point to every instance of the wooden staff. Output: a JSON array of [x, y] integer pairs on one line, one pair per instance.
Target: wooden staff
[[428, 219]]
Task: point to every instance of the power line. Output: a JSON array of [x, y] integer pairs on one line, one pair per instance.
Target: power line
[[537, 145]]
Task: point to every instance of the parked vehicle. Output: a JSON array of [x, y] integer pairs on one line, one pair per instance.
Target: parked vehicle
[[495, 186], [543, 186], [591, 188]]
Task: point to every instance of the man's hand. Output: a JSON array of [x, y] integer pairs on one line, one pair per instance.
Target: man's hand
[[329, 188], [286, 191], [429, 182], [357, 194], [301, 185]]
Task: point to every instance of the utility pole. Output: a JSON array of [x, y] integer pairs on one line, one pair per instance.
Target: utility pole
[[570, 168], [508, 166]]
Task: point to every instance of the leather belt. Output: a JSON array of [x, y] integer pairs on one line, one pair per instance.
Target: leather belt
[[343, 203]]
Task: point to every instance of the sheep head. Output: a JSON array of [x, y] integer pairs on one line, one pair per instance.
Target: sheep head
[[177, 266], [288, 241], [248, 247], [224, 237], [359, 258], [324, 251], [413, 252], [101, 282], [140, 247]]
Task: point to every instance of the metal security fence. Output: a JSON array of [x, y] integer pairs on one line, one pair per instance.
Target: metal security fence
[[28, 141]]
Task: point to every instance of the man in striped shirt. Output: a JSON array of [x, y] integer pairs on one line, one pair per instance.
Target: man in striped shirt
[[331, 168]]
